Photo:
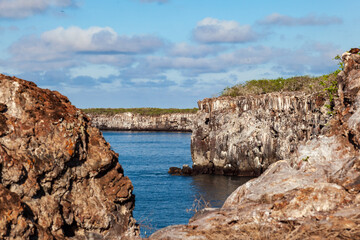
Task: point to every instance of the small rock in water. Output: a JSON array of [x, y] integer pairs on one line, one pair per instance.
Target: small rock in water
[[174, 171], [186, 170]]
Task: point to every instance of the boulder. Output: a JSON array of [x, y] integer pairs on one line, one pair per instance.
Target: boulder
[[59, 178]]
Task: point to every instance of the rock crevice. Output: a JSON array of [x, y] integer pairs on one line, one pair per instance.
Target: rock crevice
[[244, 135], [62, 176]]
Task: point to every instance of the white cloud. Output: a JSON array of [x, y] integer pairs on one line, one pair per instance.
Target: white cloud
[[313, 58], [26, 8], [187, 50], [309, 20], [211, 30], [95, 71], [75, 46], [99, 40]]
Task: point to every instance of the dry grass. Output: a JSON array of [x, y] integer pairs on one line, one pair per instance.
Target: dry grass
[[199, 203]]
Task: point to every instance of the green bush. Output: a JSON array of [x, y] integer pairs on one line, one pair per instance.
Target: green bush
[[141, 111], [305, 84]]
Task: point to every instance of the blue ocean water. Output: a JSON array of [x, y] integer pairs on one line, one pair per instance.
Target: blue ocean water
[[162, 199]]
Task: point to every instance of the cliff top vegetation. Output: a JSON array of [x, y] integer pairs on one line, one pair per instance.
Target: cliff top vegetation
[[305, 84], [141, 111]]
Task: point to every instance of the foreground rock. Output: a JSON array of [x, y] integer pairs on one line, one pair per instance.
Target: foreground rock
[[312, 195], [58, 176], [244, 135], [174, 122]]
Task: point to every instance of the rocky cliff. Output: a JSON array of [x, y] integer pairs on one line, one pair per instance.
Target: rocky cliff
[[180, 122], [58, 177], [312, 194], [244, 135]]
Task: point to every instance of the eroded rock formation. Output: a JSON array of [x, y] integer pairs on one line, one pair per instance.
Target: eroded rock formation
[[244, 135], [313, 194], [58, 176], [179, 122]]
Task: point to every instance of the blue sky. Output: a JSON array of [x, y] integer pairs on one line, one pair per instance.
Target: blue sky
[[168, 53]]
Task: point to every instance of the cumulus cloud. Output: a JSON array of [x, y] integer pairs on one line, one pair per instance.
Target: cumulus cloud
[[309, 20], [99, 40], [26, 8], [95, 44], [193, 66], [211, 30], [313, 58]]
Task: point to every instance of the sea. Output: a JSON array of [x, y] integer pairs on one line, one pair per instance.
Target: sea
[[160, 198]]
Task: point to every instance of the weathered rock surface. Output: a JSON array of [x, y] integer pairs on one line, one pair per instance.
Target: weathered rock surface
[[58, 177], [313, 194], [179, 122], [244, 135]]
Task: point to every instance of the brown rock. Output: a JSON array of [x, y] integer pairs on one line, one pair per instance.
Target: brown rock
[[57, 173], [354, 50], [174, 171], [3, 107], [313, 194]]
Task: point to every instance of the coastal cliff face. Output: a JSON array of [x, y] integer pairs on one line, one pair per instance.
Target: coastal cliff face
[[180, 122], [313, 194], [58, 176], [244, 135]]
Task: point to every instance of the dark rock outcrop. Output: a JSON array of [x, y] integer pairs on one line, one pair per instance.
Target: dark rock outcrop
[[186, 170], [313, 194], [244, 135], [174, 122], [58, 176]]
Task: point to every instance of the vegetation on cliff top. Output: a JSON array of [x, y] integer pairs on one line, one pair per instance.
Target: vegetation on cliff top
[[323, 84], [305, 84], [141, 111]]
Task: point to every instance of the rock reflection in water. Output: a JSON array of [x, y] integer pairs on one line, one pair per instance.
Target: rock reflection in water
[[216, 188]]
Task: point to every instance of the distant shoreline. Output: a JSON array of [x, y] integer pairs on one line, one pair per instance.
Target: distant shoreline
[[140, 111], [143, 119]]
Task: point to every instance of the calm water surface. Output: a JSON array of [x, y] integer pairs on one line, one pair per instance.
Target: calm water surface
[[162, 199]]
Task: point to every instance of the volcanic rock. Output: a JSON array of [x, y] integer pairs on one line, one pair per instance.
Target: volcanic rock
[[172, 122], [244, 135], [59, 178], [314, 193]]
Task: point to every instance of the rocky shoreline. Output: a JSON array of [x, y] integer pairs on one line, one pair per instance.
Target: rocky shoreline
[[59, 179], [174, 122], [312, 194]]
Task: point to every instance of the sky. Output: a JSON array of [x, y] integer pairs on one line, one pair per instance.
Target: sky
[[169, 53]]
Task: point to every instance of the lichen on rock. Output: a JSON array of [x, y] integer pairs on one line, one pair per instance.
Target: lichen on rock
[[59, 173]]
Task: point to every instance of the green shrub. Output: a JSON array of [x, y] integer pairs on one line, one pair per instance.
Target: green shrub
[[305, 84]]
